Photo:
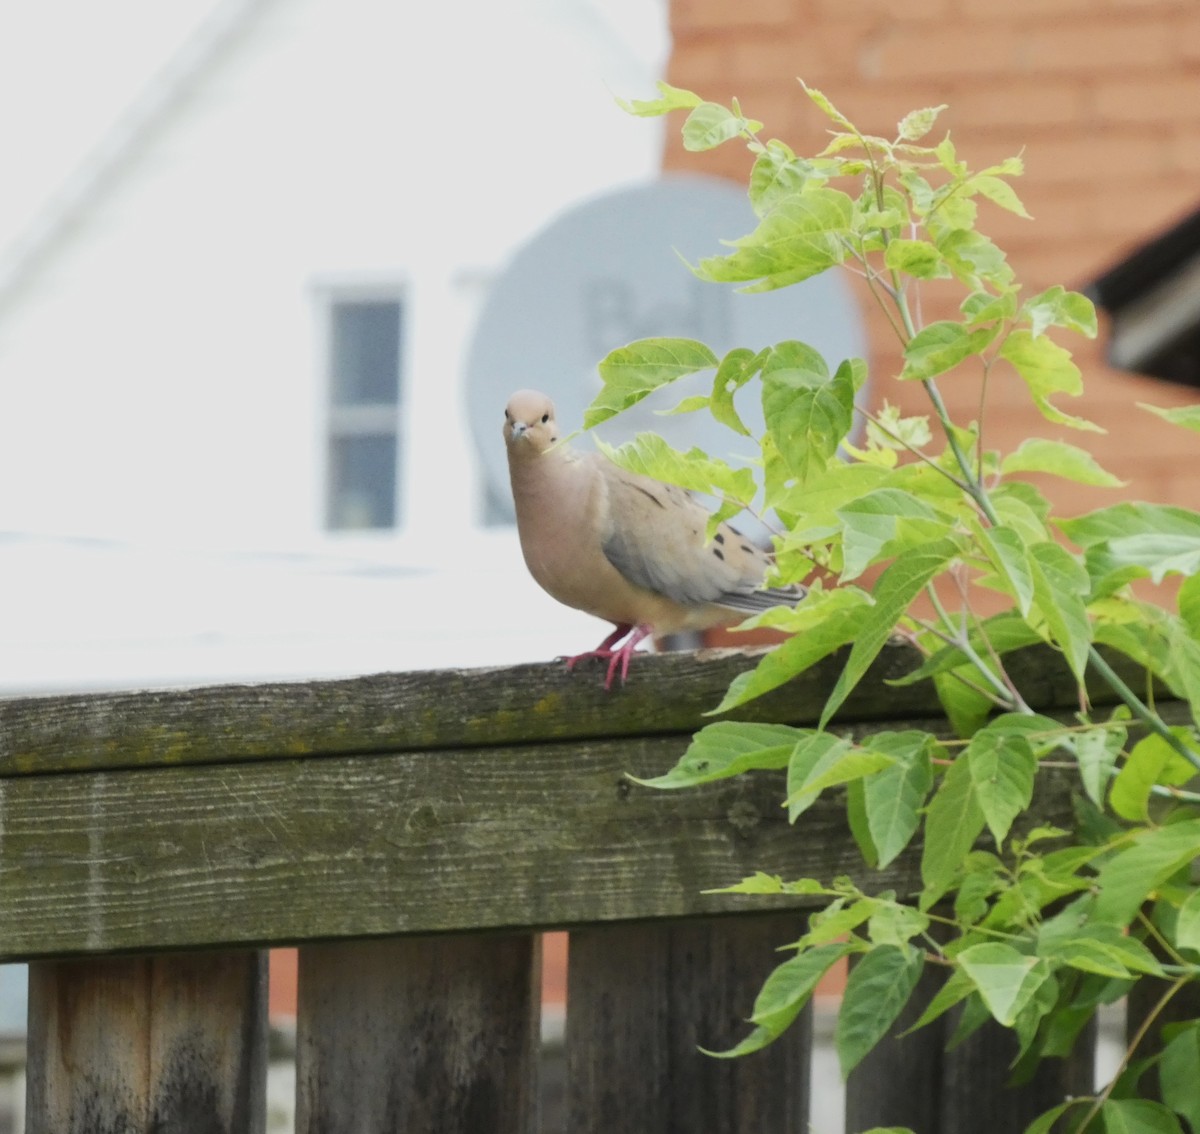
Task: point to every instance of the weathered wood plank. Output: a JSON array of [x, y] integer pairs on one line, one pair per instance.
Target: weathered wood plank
[[642, 1000], [148, 1044], [418, 1034], [541, 836], [396, 712]]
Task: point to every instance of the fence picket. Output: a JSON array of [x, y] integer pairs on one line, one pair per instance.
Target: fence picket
[[642, 999], [421, 1033], [138, 1045]]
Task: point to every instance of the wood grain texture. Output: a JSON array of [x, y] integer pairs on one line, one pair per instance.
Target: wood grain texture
[[643, 999], [542, 836], [666, 693], [418, 1034], [150, 1044], [538, 836]]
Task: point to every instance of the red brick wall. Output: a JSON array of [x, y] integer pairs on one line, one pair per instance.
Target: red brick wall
[[1103, 97]]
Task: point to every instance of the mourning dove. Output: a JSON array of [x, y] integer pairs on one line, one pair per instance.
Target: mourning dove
[[621, 546]]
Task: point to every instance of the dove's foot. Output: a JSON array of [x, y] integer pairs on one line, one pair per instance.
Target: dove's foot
[[617, 656]]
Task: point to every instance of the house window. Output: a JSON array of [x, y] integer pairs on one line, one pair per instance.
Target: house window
[[364, 412]]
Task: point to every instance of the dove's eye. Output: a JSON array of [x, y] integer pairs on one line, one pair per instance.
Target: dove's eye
[[545, 418]]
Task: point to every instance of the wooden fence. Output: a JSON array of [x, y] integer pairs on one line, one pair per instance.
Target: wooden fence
[[413, 833]]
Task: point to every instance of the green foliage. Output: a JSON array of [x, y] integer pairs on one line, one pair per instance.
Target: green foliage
[[1036, 928]]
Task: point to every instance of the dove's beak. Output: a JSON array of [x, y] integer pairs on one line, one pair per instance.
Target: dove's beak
[[519, 429]]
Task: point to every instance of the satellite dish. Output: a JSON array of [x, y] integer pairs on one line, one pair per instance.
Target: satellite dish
[[608, 271]]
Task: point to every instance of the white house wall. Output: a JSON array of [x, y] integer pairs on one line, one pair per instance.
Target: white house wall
[[161, 374]]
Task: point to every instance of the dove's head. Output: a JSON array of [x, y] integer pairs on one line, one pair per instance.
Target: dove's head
[[529, 424]]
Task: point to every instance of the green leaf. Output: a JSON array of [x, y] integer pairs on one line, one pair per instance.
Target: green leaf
[[974, 259], [1060, 586], [710, 124], [1044, 1123], [892, 430], [631, 372], [813, 755], [686, 405], [965, 706], [893, 798], [1000, 193], [649, 455], [673, 98], [1137, 1116], [917, 123], [728, 748], [1006, 551], [1096, 751], [1071, 938], [917, 258], [735, 370], [877, 989], [807, 412], [1060, 459], [1002, 767], [1177, 1073], [837, 920], [827, 108], [856, 817], [942, 346], [1126, 879], [892, 923], [1057, 307], [777, 173], [783, 995], [1187, 416], [826, 620], [1187, 924], [897, 586], [1047, 370], [1007, 980], [1156, 539], [1189, 605], [983, 307], [801, 236], [830, 768], [952, 824], [1151, 761], [1022, 507], [872, 527]]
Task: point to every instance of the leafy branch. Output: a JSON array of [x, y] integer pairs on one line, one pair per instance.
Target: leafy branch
[[1037, 929]]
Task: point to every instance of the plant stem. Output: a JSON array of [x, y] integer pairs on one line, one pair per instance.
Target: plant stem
[[913, 449], [961, 641], [1149, 718]]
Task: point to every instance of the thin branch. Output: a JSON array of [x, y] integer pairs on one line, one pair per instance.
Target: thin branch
[[1149, 718], [1134, 1043], [1017, 700], [913, 450]]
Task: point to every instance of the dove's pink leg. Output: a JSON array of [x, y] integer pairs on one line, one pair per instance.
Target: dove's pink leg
[[617, 658], [604, 650], [620, 657]]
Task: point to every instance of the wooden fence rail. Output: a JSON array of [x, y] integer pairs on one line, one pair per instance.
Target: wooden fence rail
[[413, 834]]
